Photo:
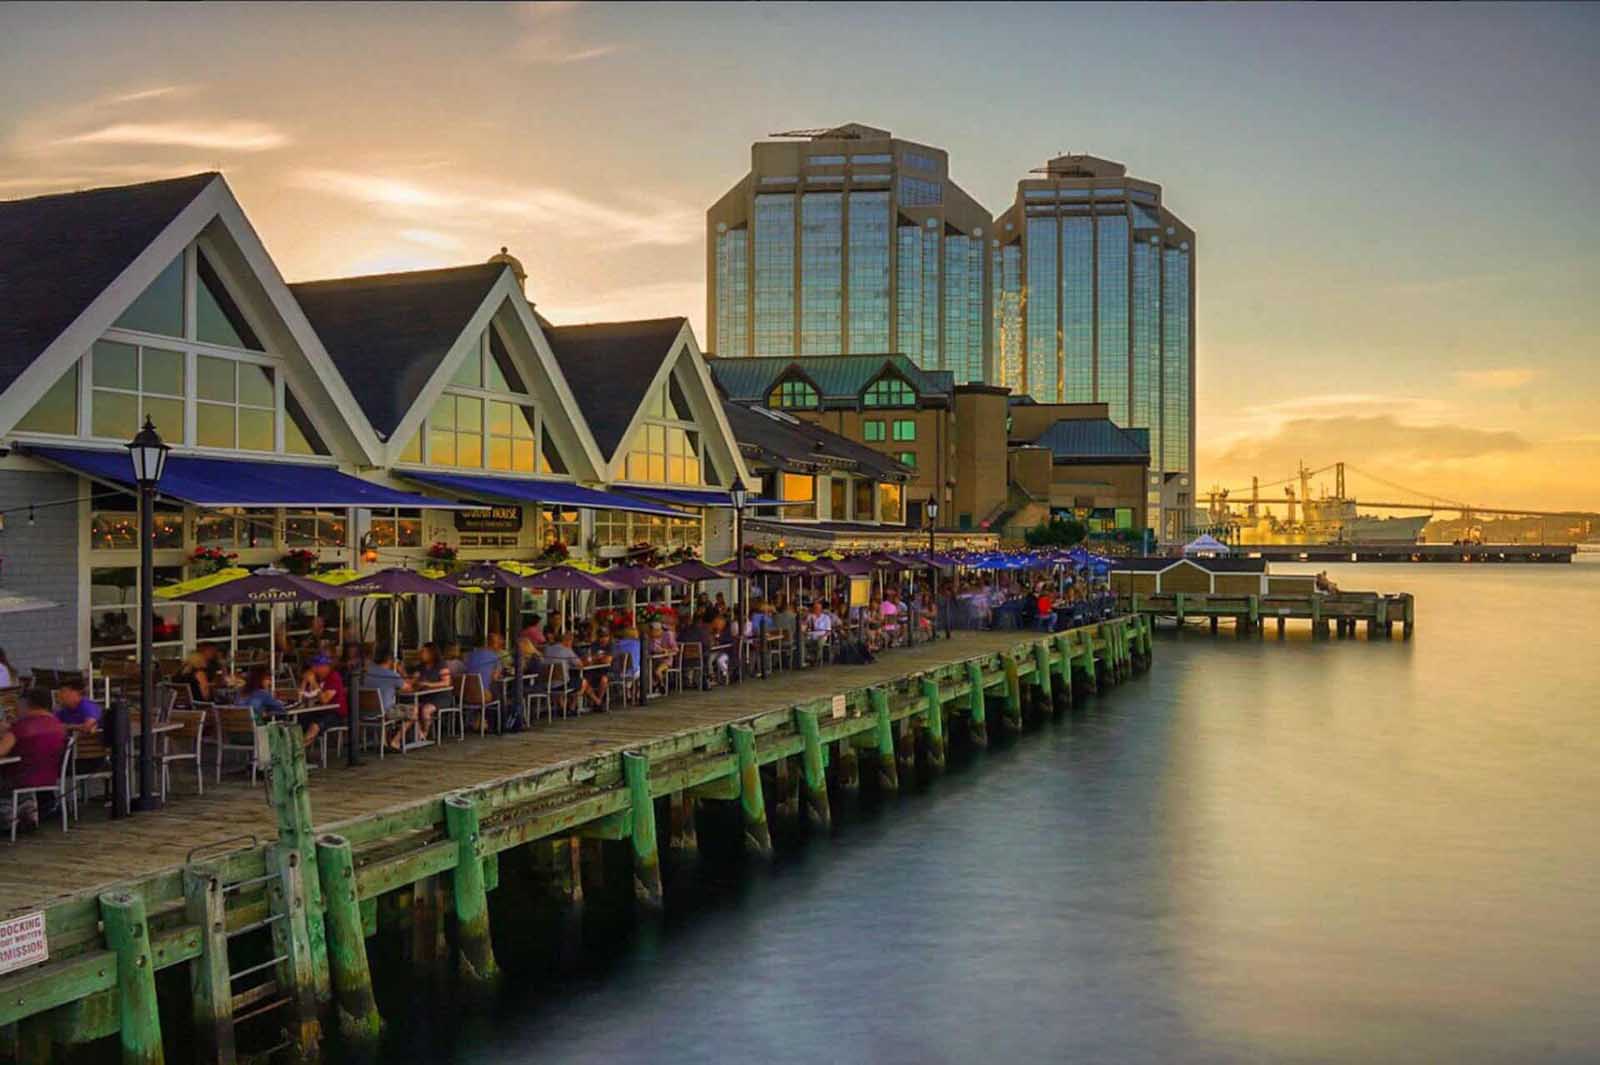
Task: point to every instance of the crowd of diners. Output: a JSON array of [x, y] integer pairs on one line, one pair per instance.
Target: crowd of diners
[[570, 664]]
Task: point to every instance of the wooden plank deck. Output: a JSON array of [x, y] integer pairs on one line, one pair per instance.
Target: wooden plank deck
[[49, 865]]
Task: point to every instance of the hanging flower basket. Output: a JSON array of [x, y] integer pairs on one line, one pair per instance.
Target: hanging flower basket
[[554, 551], [300, 561], [208, 560]]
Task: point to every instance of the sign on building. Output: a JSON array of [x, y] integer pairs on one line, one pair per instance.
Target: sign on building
[[490, 520]]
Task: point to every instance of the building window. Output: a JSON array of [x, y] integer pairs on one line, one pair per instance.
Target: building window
[[908, 458], [889, 391], [869, 271], [559, 525], [799, 489], [774, 269], [905, 429], [114, 522], [866, 491], [512, 429], [733, 292], [793, 394], [891, 503], [397, 528], [114, 609], [821, 255], [915, 192], [250, 529], [132, 383], [315, 528], [872, 431], [235, 404], [666, 454]]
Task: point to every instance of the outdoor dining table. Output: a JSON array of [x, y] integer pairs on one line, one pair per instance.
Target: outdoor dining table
[[414, 696]]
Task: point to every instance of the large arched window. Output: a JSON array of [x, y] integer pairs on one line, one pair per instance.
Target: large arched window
[[889, 391], [793, 394]]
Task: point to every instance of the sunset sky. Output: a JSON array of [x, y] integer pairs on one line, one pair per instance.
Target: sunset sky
[[1398, 246]]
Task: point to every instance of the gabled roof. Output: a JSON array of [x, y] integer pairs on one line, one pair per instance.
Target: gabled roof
[[59, 252], [609, 367], [775, 439], [839, 379], [1095, 439], [1211, 565], [387, 333]]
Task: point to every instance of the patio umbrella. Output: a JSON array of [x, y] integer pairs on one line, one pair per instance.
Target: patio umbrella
[[265, 587], [639, 578], [393, 582], [483, 578], [694, 571]]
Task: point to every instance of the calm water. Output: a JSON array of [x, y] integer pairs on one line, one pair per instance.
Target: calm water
[[1299, 852]]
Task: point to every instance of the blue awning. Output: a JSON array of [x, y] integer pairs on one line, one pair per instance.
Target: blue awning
[[702, 497], [212, 482], [554, 493]]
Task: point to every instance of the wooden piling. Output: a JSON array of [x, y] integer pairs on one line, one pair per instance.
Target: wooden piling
[[681, 835], [757, 837], [469, 895], [1041, 673], [810, 730], [128, 937], [1011, 716], [888, 774], [846, 767], [646, 860], [291, 941], [210, 981], [291, 800], [975, 708], [1086, 660], [354, 1001], [935, 724]]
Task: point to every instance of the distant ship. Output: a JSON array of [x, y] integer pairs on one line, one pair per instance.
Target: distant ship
[[1325, 520]]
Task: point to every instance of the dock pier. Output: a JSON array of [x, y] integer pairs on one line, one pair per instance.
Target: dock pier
[[267, 920], [1339, 612]]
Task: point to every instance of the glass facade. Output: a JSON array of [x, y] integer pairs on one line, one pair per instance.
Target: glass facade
[[733, 292], [1041, 381], [1111, 294], [821, 278], [915, 192], [932, 355], [869, 272], [774, 254], [963, 307], [908, 297], [1175, 327], [1146, 365], [1077, 306], [1007, 274]]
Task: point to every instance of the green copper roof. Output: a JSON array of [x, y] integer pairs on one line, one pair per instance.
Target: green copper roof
[[839, 379]]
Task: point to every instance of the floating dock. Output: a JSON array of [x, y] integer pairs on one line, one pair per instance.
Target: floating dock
[[1458, 553], [268, 906], [1331, 613]]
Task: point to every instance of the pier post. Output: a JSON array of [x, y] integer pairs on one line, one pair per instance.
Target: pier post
[[468, 893], [757, 836], [1255, 611], [935, 720], [1086, 659], [846, 767], [681, 836], [291, 799], [1041, 674], [1214, 620], [1062, 688], [128, 937], [1013, 696], [888, 774], [977, 722], [810, 730], [210, 981], [1318, 626], [1410, 617], [646, 860], [1178, 598], [347, 944]]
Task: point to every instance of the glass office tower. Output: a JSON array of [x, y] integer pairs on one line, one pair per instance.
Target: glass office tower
[[1093, 302], [849, 241]]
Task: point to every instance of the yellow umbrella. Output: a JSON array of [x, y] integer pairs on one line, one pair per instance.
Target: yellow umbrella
[[200, 584]]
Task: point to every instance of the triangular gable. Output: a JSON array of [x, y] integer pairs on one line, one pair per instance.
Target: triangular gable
[[792, 372], [402, 337], [700, 391], [213, 219]]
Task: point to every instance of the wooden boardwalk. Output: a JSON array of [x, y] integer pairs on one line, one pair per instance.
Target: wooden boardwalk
[[97, 851]]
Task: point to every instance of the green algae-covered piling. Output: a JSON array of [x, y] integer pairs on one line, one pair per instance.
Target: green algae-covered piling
[[359, 1022], [817, 806], [469, 893], [646, 862], [757, 837], [128, 937]]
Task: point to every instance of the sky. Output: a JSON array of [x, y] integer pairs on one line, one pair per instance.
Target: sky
[[1397, 249]]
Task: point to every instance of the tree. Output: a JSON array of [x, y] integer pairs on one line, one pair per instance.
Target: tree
[[1058, 532]]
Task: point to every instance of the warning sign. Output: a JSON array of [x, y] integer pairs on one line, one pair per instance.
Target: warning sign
[[22, 942], [838, 706]]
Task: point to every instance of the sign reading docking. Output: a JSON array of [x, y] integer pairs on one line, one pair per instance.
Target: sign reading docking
[[22, 942]]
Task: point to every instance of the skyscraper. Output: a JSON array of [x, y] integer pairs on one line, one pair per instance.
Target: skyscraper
[[848, 241], [1093, 301]]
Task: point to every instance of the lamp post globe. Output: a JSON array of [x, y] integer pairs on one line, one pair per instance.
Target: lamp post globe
[[148, 454]]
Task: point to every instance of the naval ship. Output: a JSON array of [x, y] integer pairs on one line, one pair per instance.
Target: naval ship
[[1323, 519]]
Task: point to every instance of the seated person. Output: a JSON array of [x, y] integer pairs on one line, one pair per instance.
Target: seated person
[[258, 695], [663, 654], [561, 655], [330, 689], [39, 740], [598, 654], [485, 663], [627, 654], [717, 648], [195, 674], [383, 678], [77, 711]]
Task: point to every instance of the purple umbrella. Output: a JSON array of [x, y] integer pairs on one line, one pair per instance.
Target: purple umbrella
[[398, 581], [637, 577], [694, 571], [265, 586], [485, 577], [569, 579]]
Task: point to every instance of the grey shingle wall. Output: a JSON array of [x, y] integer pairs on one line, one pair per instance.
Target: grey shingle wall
[[40, 561]]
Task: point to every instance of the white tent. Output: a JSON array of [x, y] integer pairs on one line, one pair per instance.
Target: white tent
[[1205, 545]]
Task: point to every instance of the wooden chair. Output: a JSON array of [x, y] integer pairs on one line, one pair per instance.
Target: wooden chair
[[471, 696], [91, 764], [184, 745], [625, 676], [236, 730], [61, 789], [692, 663]]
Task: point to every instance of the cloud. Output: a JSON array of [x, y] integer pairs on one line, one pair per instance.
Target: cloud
[[143, 95], [1505, 378], [1380, 441], [661, 299], [549, 37], [234, 136], [432, 238], [490, 208]]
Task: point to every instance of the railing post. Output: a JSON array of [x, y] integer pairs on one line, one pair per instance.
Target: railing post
[[470, 896], [291, 799], [357, 1008], [757, 836], [646, 858], [128, 937], [210, 981], [935, 726]]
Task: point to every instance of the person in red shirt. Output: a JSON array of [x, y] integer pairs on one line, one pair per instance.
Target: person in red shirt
[[39, 740], [1046, 607], [331, 690]]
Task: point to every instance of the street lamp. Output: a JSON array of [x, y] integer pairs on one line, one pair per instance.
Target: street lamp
[[740, 496], [932, 508], [148, 454]]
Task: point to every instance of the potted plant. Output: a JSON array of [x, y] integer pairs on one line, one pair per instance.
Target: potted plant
[[205, 561], [443, 555], [554, 552], [300, 561]]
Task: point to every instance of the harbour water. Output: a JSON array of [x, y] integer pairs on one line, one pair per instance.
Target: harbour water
[[1301, 852]]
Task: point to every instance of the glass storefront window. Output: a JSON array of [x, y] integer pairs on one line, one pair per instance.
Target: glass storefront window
[[315, 528], [891, 503], [866, 493], [114, 612]]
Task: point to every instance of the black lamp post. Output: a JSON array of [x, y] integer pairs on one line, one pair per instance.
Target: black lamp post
[[932, 508], [149, 457], [740, 496]]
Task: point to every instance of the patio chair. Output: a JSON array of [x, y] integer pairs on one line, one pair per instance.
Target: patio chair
[[61, 789], [692, 663], [625, 676], [370, 718], [557, 681], [236, 731], [91, 763], [184, 745], [470, 695], [672, 672]]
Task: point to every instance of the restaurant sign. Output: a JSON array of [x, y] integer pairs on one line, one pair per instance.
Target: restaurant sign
[[22, 942], [490, 520]]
